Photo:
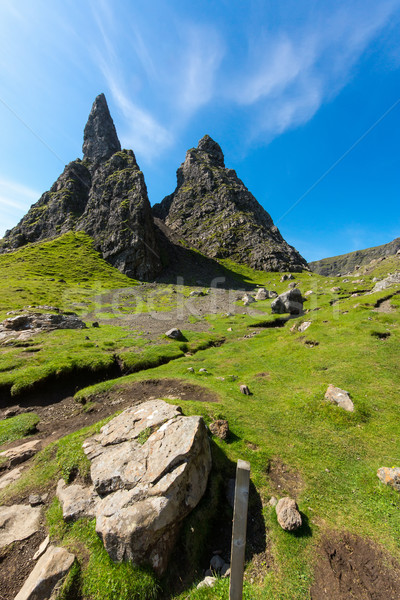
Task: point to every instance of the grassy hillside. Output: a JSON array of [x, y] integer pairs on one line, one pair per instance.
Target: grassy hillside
[[63, 272], [297, 443], [347, 263]]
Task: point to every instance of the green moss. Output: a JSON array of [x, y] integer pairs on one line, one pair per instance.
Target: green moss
[[18, 427]]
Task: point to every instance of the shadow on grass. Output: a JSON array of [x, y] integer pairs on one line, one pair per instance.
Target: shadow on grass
[[208, 529], [305, 530]]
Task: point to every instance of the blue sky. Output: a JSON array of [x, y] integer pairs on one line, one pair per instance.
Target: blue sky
[[287, 88]]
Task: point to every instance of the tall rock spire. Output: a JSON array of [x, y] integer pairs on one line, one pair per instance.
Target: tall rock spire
[[212, 209], [100, 140]]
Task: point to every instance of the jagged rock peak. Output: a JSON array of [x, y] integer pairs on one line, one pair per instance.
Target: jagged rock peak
[[212, 209], [100, 140], [208, 145]]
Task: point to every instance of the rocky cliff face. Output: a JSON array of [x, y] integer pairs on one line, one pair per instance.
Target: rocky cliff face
[[214, 211], [105, 196], [348, 263]]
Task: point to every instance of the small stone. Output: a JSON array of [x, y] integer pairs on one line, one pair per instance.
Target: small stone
[[308, 293], [229, 329], [390, 476], [225, 571], [245, 390], [248, 299], [339, 397], [304, 326], [208, 573], [262, 294], [288, 514], [273, 501], [335, 289], [10, 412], [216, 563], [207, 582], [95, 324], [42, 548], [35, 500], [191, 370], [202, 370], [174, 333], [220, 429], [20, 454]]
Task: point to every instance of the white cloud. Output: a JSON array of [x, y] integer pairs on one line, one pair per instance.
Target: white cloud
[[202, 54], [15, 199], [143, 132], [15, 195], [289, 76]]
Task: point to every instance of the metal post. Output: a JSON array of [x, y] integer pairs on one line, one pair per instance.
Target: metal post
[[239, 529]]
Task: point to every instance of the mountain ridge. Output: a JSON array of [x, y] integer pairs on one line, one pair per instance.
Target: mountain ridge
[[105, 195], [347, 263]]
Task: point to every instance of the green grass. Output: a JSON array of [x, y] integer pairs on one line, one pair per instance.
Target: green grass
[[18, 427], [63, 272], [334, 454], [98, 577]]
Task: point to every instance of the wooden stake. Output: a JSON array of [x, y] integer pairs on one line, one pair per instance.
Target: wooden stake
[[239, 529]]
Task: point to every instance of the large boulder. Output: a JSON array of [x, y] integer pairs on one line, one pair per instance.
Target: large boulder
[[386, 283], [149, 468], [288, 302]]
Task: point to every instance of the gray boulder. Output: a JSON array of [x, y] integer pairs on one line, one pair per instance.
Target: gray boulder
[[340, 397], [149, 468], [288, 302], [386, 283], [288, 514], [174, 334]]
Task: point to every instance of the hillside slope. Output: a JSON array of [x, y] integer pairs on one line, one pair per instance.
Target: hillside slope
[[105, 196], [347, 263]]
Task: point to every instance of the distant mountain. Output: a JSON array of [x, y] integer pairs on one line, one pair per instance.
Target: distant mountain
[[105, 196], [348, 263], [212, 209]]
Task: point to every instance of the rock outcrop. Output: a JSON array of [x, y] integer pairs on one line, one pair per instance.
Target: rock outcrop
[[105, 196], [100, 140], [288, 302], [214, 211], [149, 468]]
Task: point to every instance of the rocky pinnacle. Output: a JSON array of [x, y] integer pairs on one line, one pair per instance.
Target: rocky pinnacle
[[100, 140]]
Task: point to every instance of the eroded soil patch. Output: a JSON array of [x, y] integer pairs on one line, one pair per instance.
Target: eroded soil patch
[[16, 562], [352, 567], [284, 479]]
